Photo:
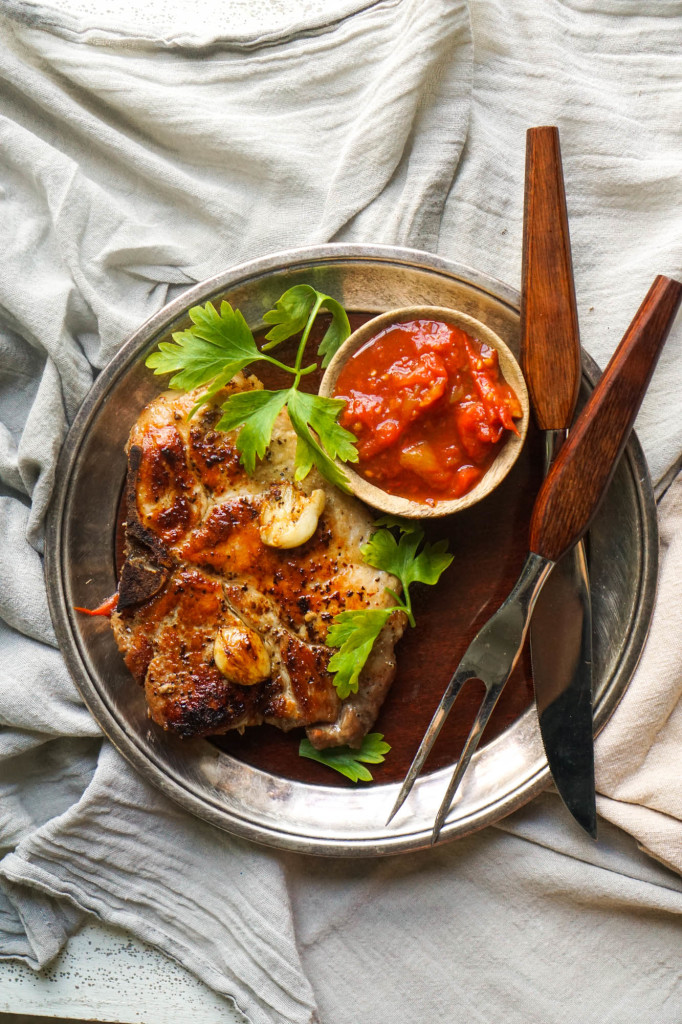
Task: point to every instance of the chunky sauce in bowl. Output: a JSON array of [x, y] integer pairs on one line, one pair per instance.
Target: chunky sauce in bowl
[[429, 408]]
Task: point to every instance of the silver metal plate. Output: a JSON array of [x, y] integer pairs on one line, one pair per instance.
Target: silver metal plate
[[623, 551]]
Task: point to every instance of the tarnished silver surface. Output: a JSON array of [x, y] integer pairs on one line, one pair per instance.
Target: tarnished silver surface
[[623, 550]]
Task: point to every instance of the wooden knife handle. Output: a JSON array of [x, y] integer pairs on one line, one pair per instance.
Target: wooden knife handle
[[582, 471], [550, 339]]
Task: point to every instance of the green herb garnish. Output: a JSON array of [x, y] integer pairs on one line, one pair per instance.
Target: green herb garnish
[[354, 632], [347, 760], [220, 344], [296, 309]]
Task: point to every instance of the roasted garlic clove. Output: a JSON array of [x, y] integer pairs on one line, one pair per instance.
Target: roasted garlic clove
[[289, 516], [241, 656]]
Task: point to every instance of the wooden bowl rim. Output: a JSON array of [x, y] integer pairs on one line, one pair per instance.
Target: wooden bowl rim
[[511, 371]]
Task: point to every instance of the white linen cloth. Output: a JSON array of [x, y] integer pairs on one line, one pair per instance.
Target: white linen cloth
[[136, 160]]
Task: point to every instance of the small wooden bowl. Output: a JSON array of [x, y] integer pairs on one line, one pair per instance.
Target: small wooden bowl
[[509, 452]]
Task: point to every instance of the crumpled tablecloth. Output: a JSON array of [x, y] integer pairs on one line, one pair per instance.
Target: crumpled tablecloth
[[136, 160]]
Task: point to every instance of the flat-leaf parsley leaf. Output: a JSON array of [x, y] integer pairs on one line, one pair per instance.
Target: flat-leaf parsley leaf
[[217, 344], [403, 559], [255, 412], [320, 413], [354, 632], [292, 312], [347, 760], [220, 344]]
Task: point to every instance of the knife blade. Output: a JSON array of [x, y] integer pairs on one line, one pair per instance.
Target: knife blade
[[561, 627]]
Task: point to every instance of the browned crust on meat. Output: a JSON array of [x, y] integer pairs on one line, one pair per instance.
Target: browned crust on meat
[[195, 564], [168, 647], [359, 710]]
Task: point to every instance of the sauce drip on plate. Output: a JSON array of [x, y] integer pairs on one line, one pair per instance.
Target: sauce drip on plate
[[429, 409]]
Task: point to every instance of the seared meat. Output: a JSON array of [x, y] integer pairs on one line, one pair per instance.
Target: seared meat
[[223, 629], [359, 711]]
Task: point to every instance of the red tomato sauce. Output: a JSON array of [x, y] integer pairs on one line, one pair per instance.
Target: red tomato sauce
[[429, 409]]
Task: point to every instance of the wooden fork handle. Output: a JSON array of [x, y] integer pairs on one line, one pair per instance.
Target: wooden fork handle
[[550, 342], [581, 473]]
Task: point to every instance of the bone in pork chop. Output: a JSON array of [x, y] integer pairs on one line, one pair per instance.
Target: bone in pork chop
[[222, 628]]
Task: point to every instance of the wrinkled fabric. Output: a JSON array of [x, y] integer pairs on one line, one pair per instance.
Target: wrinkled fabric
[[640, 754], [214, 902], [128, 175], [608, 74], [527, 922], [137, 159]]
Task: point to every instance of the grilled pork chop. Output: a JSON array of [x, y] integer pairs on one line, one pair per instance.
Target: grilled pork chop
[[230, 582]]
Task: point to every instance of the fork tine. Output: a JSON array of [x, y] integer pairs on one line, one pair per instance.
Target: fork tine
[[490, 657], [480, 722], [462, 674]]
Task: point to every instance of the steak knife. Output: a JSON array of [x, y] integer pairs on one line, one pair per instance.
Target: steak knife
[[561, 627]]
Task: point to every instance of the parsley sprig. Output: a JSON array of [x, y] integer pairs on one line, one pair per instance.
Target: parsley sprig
[[408, 558], [347, 760], [219, 344]]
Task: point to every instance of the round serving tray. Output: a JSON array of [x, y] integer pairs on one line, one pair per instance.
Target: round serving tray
[[257, 804]]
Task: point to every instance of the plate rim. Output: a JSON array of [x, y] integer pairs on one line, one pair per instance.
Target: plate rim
[[145, 761]]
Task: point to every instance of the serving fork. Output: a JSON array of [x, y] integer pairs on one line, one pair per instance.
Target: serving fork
[[564, 508]]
